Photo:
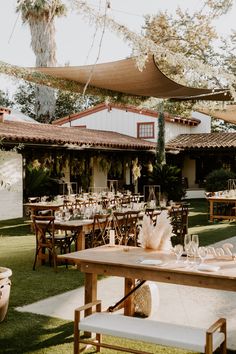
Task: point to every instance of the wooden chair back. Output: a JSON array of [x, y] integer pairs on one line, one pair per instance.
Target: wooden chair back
[[101, 225], [179, 221], [45, 241]]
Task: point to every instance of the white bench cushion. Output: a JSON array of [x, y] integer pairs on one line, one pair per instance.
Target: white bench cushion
[[173, 335]]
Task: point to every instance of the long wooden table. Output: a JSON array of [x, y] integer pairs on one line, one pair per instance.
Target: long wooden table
[[79, 227], [114, 261], [35, 207], [222, 200]]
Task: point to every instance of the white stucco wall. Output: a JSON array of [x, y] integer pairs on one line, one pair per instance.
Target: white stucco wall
[[11, 186], [205, 126], [189, 171], [126, 123], [99, 177]]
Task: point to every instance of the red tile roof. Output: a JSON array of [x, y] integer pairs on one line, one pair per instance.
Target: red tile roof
[[50, 134], [127, 108], [203, 141]]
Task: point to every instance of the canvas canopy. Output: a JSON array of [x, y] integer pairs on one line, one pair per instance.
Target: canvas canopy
[[123, 76], [227, 113]]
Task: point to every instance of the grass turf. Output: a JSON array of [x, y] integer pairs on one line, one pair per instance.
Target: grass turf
[[30, 333]]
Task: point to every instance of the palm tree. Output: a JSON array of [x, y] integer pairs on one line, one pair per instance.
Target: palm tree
[[39, 15]]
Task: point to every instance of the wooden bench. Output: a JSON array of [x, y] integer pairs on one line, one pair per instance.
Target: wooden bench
[[138, 329]]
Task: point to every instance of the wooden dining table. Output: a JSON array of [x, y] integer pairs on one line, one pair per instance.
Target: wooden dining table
[[36, 207], [78, 227], [224, 201], [117, 261]]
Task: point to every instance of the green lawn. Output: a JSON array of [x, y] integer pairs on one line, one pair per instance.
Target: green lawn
[[29, 333], [208, 232]]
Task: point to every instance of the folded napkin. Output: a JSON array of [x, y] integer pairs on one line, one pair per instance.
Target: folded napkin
[[208, 267], [151, 261]]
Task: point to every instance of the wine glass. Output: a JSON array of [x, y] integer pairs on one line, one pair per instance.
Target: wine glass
[[195, 240], [187, 246], [67, 215], [202, 252], [195, 245], [178, 251], [57, 215]]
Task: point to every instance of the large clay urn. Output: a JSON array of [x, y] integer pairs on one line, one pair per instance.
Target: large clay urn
[[5, 287]]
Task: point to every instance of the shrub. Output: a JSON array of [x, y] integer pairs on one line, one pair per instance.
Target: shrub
[[170, 181], [217, 180], [38, 182]]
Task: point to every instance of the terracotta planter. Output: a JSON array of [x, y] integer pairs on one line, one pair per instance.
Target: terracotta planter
[[5, 287]]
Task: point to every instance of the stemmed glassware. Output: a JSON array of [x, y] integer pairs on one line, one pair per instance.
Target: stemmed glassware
[[195, 240], [191, 244], [187, 246], [178, 251], [202, 252], [195, 246]]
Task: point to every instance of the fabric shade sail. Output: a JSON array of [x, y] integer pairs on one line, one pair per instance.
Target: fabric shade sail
[[123, 76], [228, 113]]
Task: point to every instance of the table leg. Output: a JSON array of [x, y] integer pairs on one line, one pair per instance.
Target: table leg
[[90, 290], [80, 240], [129, 304], [90, 294], [211, 210]]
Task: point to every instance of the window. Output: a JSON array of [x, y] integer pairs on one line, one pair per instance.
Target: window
[[145, 130]]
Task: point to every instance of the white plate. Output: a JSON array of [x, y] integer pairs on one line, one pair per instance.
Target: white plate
[[208, 268], [151, 261]]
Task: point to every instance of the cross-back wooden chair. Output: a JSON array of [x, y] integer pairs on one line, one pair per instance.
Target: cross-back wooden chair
[[100, 231], [153, 213], [126, 226], [105, 202], [44, 232], [47, 241], [119, 225], [125, 201], [179, 221], [132, 227]]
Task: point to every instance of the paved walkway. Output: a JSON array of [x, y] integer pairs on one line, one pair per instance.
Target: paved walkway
[[174, 303]]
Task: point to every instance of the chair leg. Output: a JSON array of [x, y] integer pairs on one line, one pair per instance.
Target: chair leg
[[54, 256], [35, 258]]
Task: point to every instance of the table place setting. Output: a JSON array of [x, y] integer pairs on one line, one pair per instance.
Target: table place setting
[[190, 256], [208, 267], [151, 261]]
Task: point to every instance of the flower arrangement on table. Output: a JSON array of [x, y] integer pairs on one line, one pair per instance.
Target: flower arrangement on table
[[156, 237]]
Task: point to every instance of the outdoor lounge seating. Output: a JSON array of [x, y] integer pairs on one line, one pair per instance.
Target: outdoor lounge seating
[[156, 332]]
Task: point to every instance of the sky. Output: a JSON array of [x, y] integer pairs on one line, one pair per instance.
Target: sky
[[74, 35]]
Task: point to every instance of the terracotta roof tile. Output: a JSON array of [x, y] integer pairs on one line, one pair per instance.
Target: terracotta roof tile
[[51, 134], [203, 141]]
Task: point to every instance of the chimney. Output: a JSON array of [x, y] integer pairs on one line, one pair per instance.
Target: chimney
[[4, 111]]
